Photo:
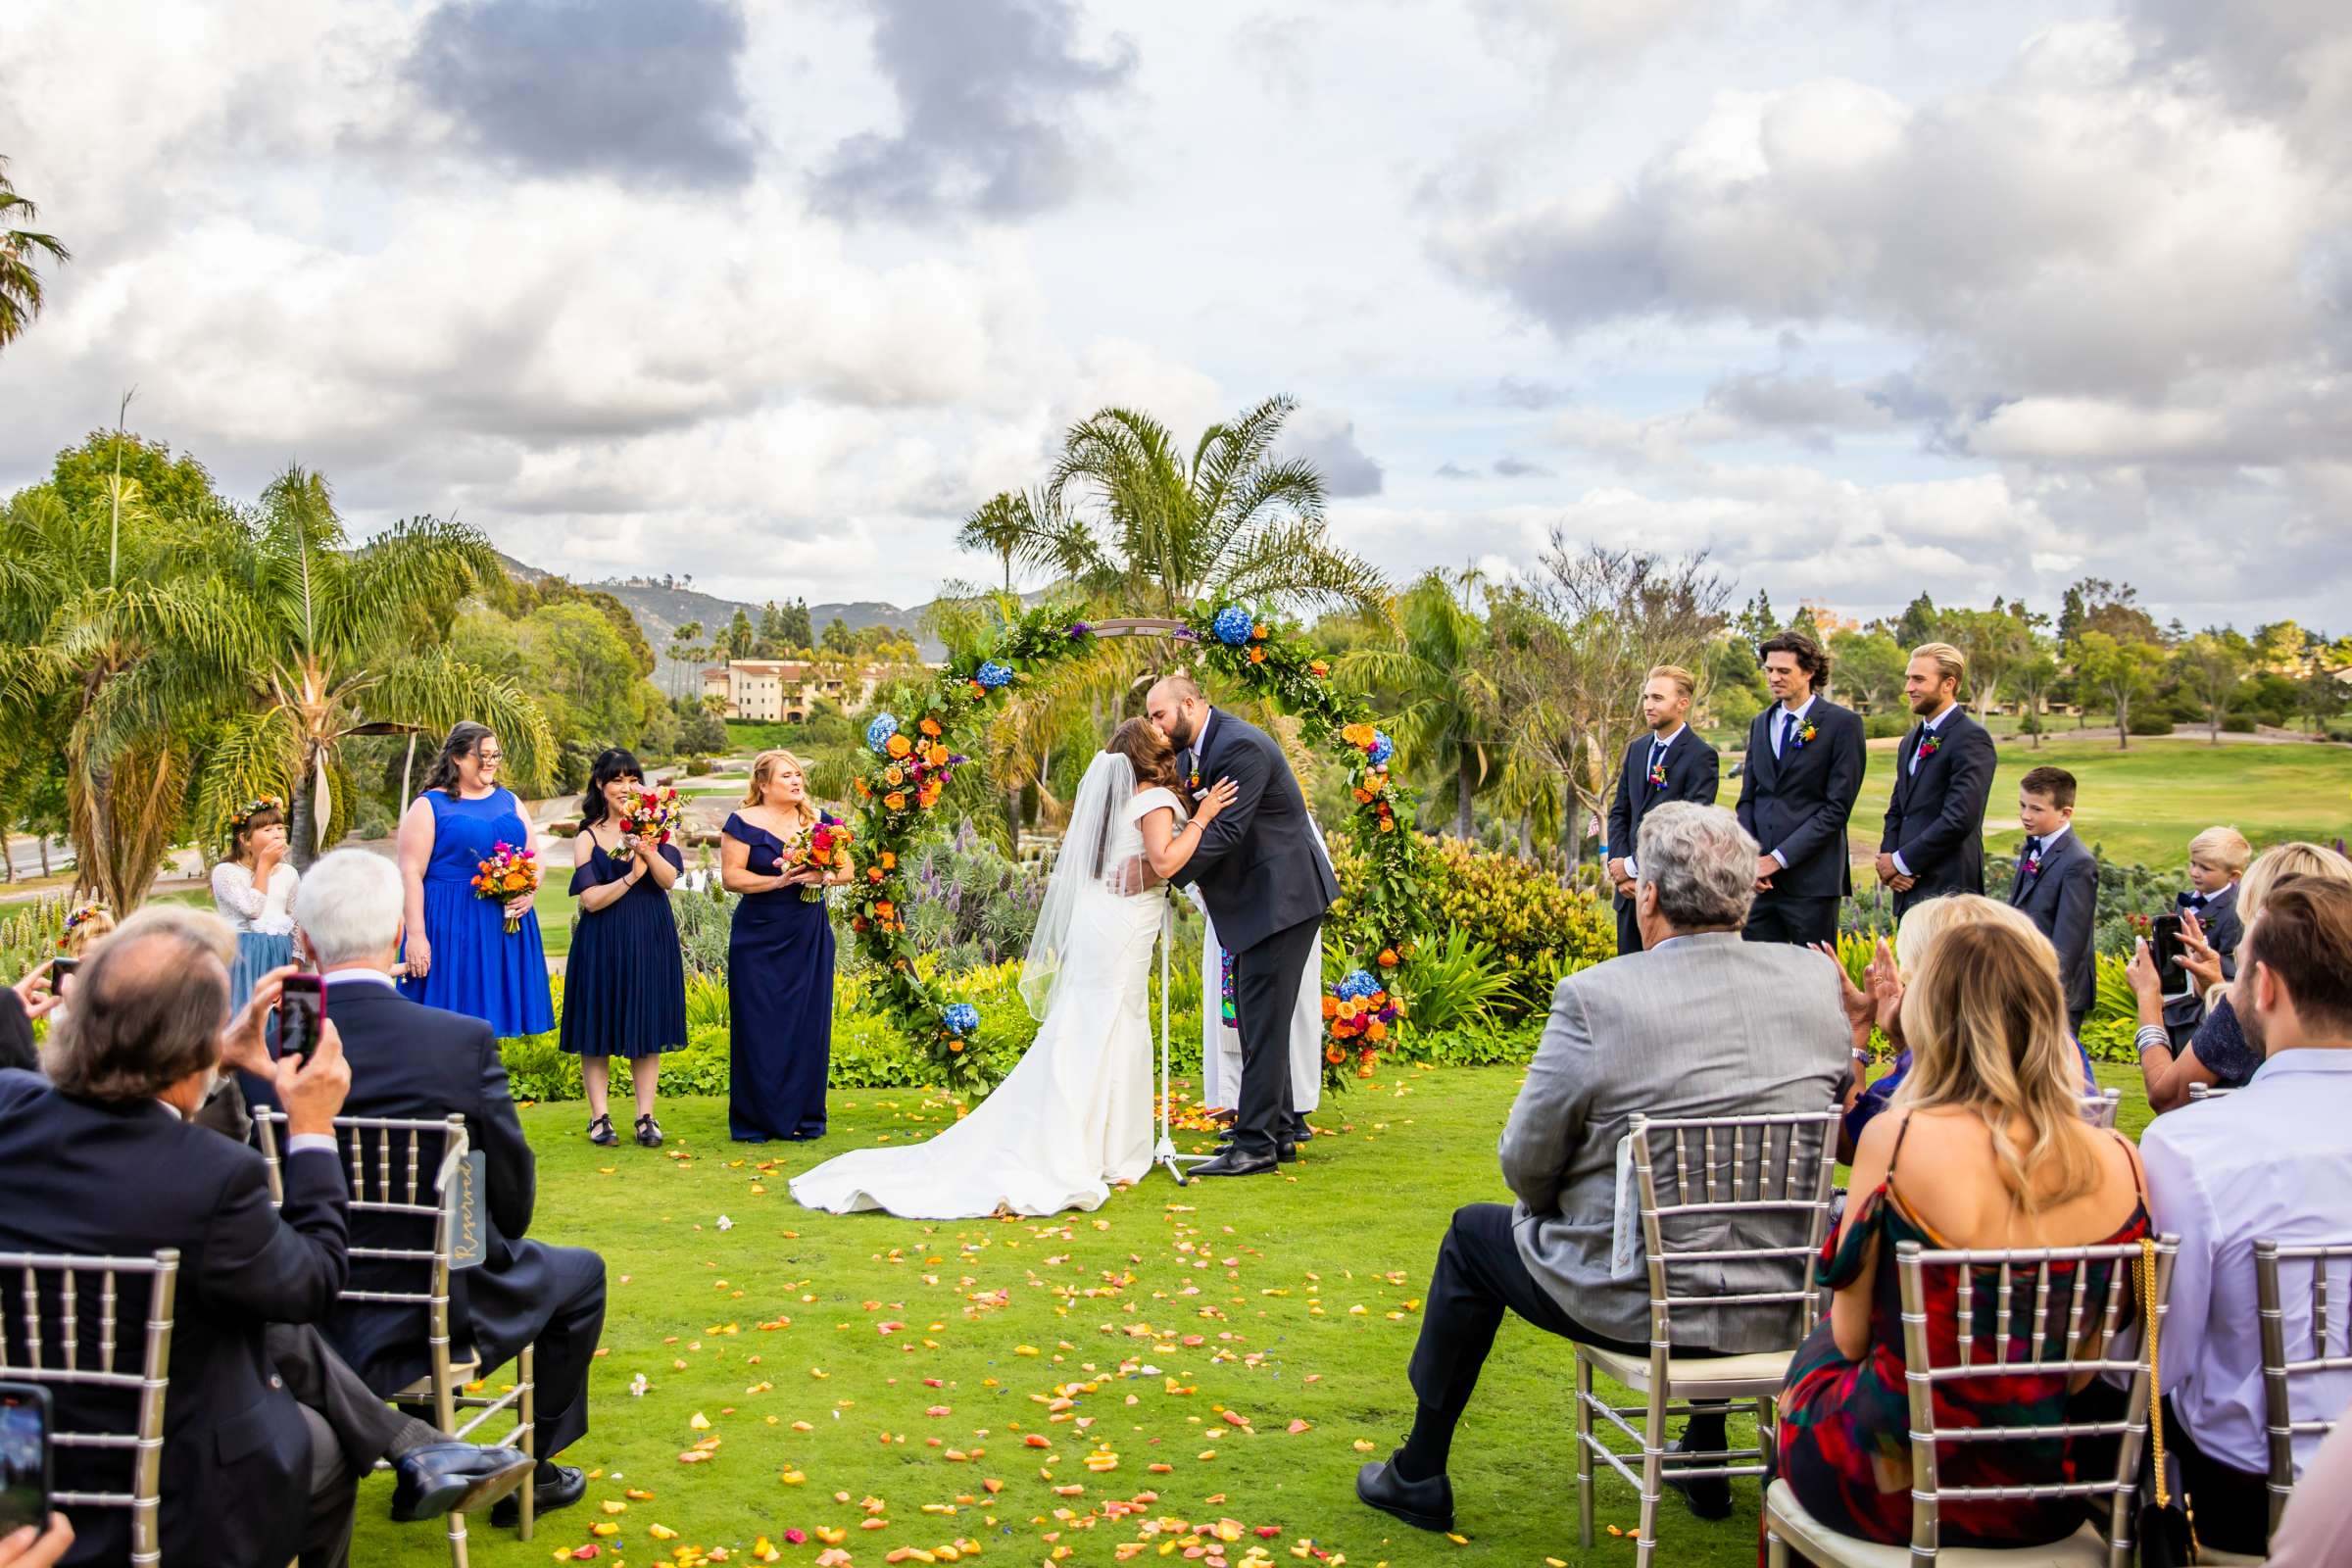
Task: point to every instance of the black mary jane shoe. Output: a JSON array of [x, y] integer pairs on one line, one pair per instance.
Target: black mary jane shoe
[[600, 1132], [649, 1131], [1423, 1504]]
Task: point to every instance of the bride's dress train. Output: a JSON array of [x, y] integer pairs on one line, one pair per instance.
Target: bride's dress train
[[1074, 1116]]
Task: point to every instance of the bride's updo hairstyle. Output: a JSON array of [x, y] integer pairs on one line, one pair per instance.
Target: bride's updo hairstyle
[[1142, 745]]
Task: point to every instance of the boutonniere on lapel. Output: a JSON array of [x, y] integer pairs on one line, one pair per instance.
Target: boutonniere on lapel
[[1657, 774], [1803, 736], [1191, 781], [2034, 864], [1930, 746]]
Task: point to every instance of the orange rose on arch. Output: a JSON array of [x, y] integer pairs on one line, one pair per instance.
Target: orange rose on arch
[[896, 800], [900, 746], [890, 860], [930, 727]]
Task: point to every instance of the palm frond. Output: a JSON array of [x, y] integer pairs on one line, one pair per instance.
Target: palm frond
[[436, 690], [244, 756]]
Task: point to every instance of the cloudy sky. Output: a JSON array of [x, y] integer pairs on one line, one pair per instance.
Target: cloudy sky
[[1866, 296]]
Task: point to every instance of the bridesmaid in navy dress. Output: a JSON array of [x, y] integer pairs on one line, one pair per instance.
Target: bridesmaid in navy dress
[[458, 955], [779, 961], [624, 984]]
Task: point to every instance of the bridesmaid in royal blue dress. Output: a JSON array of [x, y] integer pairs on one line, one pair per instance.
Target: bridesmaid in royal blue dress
[[779, 961], [459, 954], [624, 982]]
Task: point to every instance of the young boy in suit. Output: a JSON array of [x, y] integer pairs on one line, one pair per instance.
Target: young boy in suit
[[2217, 861], [2057, 884]]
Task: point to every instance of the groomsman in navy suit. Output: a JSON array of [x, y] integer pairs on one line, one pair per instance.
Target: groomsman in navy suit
[[1670, 762], [1798, 788], [1935, 838]]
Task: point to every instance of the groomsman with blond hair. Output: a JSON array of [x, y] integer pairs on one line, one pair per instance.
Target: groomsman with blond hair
[[1933, 843], [1667, 761]]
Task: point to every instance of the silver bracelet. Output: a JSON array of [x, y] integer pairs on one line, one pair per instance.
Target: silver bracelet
[[2150, 1037]]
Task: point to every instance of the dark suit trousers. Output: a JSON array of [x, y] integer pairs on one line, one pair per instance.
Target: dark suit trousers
[[1265, 993], [1783, 917], [1479, 1274], [1629, 929], [365, 1428], [554, 1297]]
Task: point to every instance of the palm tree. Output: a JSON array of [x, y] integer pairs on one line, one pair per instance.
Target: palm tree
[[103, 627], [1019, 530], [1444, 690], [19, 284], [343, 642], [1163, 532]]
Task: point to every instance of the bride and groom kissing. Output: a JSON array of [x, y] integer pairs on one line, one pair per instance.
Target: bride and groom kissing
[[1189, 796]]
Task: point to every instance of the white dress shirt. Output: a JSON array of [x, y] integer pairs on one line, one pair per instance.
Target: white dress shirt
[[2270, 1162], [1927, 726], [1780, 722], [1658, 748]]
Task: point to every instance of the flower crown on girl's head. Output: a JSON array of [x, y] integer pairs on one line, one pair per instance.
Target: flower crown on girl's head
[[251, 810], [84, 914]]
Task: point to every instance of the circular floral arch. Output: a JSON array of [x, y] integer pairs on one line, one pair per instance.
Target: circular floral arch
[[915, 755]]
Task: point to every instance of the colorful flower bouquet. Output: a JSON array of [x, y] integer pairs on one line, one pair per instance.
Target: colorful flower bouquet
[[651, 814], [1357, 1014], [509, 873], [826, 849]]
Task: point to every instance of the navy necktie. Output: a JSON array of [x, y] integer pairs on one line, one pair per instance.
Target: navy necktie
[[1657, 754], [1787, 731]]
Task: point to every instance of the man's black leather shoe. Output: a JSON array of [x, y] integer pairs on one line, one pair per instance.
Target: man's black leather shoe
[[1423, 1504], [1233, 1162], [559, 1486], [1709, 1497], [454, 1477], [1288, 1154]]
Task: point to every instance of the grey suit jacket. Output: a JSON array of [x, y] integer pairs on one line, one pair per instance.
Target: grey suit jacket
[[1708, 1027]]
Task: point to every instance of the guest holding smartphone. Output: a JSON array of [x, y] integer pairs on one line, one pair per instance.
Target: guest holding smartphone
[[624, 982], [459, 954], [253, 890], [779, 960]]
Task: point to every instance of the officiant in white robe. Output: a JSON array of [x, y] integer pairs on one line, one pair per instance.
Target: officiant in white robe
[[1221, 1042]]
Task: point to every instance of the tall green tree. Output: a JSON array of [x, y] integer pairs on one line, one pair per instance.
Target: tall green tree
[[1917, 624], [839, 639], [82, 475], [2210, 666], [2033, 679], [1995, 641], [334, 642], [1019, 530], [1870, 665], [2121, 669], [1438, 685], [771, 643], [1153, 529], [125, 649], [20, 293], [739, 636], [799, 635]]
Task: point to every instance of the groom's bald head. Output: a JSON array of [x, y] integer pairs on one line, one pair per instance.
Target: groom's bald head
[[1175, 704]]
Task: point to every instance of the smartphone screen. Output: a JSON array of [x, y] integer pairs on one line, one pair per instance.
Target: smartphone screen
[[301, 1010], [2164, 946], [24, 1457]]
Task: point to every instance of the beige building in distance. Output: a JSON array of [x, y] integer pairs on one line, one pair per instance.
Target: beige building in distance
[[784, 690]]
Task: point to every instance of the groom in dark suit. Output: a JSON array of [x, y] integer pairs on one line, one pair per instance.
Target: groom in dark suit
[[1266, 884], [1668, 761], [1935, 838]]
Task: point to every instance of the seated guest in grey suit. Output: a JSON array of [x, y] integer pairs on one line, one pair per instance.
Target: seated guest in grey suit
[[1699, 1024]]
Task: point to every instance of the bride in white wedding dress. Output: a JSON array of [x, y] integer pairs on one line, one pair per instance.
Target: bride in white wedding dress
[[1074, 1115]]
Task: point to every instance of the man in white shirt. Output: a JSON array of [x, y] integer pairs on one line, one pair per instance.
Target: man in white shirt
[[2272, 1162]]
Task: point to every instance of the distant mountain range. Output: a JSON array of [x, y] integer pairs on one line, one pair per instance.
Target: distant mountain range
[[661, 607]]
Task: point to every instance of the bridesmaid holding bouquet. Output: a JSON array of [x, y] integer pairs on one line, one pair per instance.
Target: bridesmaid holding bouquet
[[467, 953], [624, 984], [779, 959]]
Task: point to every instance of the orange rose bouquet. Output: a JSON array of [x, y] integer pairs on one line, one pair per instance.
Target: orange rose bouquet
[[509, 873]]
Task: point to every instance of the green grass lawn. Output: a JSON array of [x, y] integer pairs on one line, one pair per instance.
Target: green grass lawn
[[2144, 805], [861, 1352]]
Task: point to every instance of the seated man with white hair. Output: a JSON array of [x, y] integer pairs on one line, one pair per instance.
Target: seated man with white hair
[[412, 1062], [1698, 1023]]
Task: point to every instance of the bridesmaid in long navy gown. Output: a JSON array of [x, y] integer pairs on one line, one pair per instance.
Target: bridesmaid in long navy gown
[[624, 984], [779, 961]]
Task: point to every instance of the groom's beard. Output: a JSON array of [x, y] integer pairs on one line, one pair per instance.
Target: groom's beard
[[1184, 742]]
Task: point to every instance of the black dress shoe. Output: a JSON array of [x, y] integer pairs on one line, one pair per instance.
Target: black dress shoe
[[453, 1476], [1709, 1497], [1288, 1154], [559, 1486], [1225, 1135], [1233, 1162], [1423, 1504]]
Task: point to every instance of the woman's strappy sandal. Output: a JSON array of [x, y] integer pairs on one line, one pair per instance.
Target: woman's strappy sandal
[[649, 1131], [600, 1131]]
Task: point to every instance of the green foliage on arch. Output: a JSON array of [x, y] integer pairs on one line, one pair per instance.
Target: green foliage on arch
[[915, 753]]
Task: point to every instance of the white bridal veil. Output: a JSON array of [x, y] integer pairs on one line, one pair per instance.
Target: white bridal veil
[[1100, 854]]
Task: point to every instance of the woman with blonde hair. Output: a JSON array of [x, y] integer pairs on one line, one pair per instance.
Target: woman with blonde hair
[[1990, 1119], [779, 960], [2217, 1052]]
